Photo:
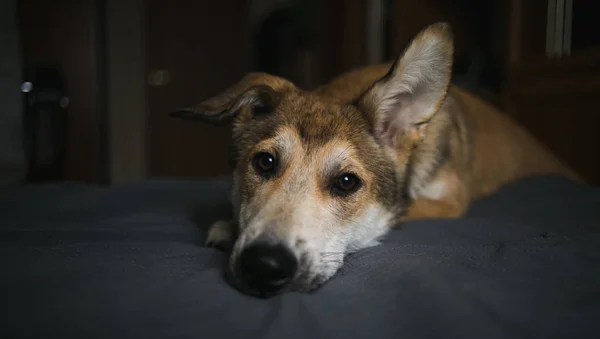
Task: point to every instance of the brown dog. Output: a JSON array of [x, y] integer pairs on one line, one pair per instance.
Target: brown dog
[[324, 173]]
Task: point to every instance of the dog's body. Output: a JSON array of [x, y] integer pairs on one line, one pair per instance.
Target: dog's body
[[487, 149], [324, 173]]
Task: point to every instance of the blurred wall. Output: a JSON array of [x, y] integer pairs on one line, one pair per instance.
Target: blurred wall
[[126, 82], [12, 159], [69, 35]]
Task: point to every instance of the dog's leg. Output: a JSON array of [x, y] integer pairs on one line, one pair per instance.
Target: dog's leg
[[445, 197], [221, 234], [424, 208]]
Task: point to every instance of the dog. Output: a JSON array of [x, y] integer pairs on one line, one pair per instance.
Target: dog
[[318, 175]]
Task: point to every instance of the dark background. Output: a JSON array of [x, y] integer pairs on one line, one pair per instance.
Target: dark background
[[127, 64]]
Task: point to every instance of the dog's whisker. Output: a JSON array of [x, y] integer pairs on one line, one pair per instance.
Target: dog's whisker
[[332, 257], [330, 262]]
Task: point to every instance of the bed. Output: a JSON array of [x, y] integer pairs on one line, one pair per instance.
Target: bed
[[83, 261]]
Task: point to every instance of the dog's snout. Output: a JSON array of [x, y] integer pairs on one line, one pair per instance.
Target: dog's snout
[[267, 267]]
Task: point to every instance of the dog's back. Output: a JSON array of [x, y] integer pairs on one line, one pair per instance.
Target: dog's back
[[499, 150]]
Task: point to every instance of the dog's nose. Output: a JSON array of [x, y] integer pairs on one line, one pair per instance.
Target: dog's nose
[[267, 267]]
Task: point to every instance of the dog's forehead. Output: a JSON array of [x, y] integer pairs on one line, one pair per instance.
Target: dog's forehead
[[318, 121], [328, 152]]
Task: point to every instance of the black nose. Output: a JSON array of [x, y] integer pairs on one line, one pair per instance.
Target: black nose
[[266, 267]]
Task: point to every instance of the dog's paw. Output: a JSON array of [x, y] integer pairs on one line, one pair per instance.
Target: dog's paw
[[220, 235]]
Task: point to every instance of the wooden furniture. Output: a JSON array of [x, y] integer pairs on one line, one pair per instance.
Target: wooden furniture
[[69, 34], [194, 49], [553, 88]]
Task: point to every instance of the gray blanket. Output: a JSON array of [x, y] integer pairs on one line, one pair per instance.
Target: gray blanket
[[127, 262]]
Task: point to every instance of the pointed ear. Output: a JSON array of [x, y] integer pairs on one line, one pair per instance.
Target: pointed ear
[[402, 102], [255, 93]]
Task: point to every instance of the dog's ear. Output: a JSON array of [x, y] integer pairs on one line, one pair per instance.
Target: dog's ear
[[402, 102], [255, 93]]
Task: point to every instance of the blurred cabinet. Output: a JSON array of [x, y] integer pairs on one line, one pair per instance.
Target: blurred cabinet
[[194, 49], [68, 35], [553, 78]]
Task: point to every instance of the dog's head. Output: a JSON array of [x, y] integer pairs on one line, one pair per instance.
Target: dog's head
[[315, 178]]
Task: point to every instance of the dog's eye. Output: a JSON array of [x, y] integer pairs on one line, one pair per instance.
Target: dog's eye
[[264, 163], [346, 184]]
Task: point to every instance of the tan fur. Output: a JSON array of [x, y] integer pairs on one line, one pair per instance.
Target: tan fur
[[421, 148], [499, 150]]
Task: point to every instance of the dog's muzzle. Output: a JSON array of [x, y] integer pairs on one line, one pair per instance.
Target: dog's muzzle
[[265, 266]]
